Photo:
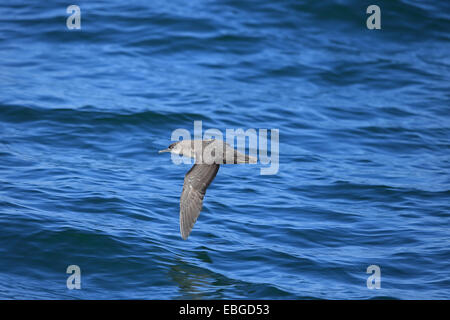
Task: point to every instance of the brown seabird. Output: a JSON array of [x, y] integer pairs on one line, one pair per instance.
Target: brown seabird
[[208, 155]]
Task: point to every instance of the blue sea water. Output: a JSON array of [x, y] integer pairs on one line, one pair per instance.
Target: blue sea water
[[364, 122]]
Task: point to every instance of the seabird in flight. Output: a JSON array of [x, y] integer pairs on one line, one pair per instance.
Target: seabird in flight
[[208, 155]]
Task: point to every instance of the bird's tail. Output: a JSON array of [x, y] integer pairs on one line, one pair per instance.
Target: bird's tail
[[240, 158]]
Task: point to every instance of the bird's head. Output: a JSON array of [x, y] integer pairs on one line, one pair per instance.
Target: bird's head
[[173, 148]]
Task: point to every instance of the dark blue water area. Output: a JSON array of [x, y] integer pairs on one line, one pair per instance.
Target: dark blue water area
[[364, 126]]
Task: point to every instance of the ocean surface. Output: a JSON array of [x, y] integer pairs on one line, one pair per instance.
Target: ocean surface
[[364, 149]]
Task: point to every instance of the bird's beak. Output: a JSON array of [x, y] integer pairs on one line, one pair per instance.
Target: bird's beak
[[165, 150]]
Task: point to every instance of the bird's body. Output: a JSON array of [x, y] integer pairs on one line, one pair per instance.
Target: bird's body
[[208, 155]]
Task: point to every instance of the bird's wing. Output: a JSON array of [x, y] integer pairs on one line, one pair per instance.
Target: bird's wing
[[196, 181]]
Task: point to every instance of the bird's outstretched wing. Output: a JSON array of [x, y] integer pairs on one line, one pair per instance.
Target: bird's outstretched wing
[[196, 181]]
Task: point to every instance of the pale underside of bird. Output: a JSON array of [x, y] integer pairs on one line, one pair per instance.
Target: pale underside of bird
[[208, 155]]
